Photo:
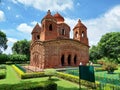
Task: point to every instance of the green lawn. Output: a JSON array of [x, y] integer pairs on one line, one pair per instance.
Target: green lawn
[[12, 78]]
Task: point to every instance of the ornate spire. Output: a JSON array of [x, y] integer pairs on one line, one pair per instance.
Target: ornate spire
[[49, 12]]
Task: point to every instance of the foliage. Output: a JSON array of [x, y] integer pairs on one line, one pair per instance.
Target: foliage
[[32, 75], [50, 72], [110, 67], [17, 58], [14, 58], [75, 79], [3, 58], [101, 61], [2, 67], [47, 85], [3, 41], [19, 72], [2, 73], [108, 46], [94, 53], [21, 68], [99, 69], [24, 75], [21, 47]]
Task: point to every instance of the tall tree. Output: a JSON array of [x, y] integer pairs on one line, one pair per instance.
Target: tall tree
[[21, 47], [3, 41], [94, 53], [109, 45]]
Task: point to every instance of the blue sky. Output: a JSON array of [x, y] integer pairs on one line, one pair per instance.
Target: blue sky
[[18, 17]]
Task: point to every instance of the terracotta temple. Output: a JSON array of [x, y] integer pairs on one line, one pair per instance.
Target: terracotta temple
[[52, 47]]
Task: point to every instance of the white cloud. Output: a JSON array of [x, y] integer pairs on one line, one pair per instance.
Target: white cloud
[[108, 22], [12, 40], [14, 1], [17, 16], [2, 16], [53, 5], [10, 43], [25, 28], [9, 8], [34, 23], [78, 4], [71, 23]]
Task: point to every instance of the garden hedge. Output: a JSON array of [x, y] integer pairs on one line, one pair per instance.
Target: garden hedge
[[46, 85], [75, 79], [24, 75], [2, 73]]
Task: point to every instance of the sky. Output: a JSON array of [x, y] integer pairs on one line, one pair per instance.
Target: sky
[[18, 17]]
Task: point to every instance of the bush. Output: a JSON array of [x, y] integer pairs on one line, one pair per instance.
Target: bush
[[32, 75], [75, 79], [19, 72], [50, 72], [21, 68], [2, 67], [17, 58], [2, 73], [110, 67], [23, 75], [30, 86], [101, 61], [99, 69], [3, 58]]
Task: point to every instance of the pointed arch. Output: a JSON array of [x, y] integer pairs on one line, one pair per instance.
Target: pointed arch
[[62, 60], [69, 59], [75, 59], [50, 27], [76, 34], [83, 34]]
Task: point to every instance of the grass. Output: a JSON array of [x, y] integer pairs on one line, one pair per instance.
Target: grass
[[12, 78]]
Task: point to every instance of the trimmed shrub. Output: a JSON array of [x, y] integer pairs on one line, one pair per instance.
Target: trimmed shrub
[[20, 67], [2, 73], [32, 75], [2, 67], [99, 69], [30, 86], [50, 72], [23, 75], [19, 72], [76, 79]]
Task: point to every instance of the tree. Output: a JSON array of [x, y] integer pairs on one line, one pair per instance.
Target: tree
[[3, 41], [21, 47], [109, 46], [94, 53]]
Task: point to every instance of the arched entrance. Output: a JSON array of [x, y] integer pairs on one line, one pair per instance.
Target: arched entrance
[[62, 60], [75, 59], [69, 59]]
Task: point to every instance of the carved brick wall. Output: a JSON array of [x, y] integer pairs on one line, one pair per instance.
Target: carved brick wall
[[58, 53]]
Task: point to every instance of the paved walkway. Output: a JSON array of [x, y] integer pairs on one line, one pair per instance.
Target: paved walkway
[[33, 69]]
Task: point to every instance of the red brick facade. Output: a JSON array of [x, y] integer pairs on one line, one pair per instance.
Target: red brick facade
[[52, 47]]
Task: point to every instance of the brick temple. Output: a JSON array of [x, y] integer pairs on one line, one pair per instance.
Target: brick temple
[[52, 47]]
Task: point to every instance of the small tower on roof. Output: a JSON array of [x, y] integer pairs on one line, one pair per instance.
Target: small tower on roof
[[80, 32], [49, 27], [36, 32]]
